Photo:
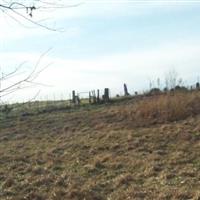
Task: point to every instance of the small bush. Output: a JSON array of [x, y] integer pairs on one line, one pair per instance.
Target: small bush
[[155, 91], [6, 109]]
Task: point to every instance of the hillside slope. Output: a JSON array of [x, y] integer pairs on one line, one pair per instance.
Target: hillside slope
[[99, 153]]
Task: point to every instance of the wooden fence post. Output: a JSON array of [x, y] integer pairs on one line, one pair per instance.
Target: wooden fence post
[[98, 96], [94, 96], [90, 98]]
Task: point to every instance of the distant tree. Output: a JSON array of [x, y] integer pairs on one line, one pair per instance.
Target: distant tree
[[180, 88], [171, 79], [154, 91]]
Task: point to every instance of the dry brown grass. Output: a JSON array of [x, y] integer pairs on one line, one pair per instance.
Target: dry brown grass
[[105, 153], [166, 108]]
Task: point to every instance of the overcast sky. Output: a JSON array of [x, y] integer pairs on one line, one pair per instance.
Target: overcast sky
[[104, 44]]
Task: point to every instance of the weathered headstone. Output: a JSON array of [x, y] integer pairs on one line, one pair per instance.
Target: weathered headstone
[[126, 90], [106, 96], [73, 97], [197, 85]]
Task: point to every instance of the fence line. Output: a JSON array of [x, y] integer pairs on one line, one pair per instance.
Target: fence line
[[46, 103]]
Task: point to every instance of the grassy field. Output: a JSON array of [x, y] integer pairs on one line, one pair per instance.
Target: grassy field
[[147, 148]]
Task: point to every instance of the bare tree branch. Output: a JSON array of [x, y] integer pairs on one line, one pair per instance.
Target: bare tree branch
[[15, 7], [25, 82], [22, 11], [9, 75]]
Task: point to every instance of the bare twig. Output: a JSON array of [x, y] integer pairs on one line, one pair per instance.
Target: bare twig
[[24, 82], [15, 7]]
